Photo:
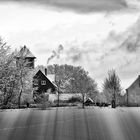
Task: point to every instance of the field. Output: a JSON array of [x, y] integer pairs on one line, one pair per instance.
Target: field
[[92, 123]]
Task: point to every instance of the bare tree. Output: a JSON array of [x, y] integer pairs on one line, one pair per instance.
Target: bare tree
[[84, 84], [112, 87], [24, 76], [71, 79], [7, 73], [58, 82], [14, 78]]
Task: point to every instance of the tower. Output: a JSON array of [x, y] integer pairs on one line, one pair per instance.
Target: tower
[[25, 56]]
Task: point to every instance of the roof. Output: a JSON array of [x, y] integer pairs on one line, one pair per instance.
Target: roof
[[25, 52], [51, 75], [89, 100], [138, 78]]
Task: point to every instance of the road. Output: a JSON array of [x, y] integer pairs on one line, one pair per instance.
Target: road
[[71, 124]]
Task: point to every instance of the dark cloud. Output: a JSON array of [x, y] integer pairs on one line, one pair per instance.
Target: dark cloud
[[126, 45], [82, 6], [131, 38], [128, 41], [131, 44]]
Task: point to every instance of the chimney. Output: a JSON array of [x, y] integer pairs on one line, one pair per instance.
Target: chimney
[[46, 71]]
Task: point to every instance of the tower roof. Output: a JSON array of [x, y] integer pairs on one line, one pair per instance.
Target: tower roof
[[25, 52]]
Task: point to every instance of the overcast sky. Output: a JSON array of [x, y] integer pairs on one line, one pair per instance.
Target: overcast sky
[[97, 35]]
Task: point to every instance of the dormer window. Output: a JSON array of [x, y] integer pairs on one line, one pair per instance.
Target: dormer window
[[43, 82]]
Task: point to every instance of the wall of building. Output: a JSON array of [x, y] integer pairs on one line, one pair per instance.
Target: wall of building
[[64, 96], [134, 93], [42, 88]]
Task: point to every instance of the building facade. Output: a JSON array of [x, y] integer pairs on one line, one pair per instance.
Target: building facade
[[25, 57], [42, 84], [133, 93]]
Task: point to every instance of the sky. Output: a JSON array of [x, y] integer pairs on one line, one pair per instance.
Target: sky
[[97, 35]]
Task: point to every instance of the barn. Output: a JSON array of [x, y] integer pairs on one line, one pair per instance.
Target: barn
[[133, 93]]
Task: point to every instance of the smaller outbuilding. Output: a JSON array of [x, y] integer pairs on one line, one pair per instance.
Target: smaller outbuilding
[[89, 101]]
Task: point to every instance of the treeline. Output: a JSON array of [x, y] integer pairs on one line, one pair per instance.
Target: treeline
[[72, 79], [16, 82]]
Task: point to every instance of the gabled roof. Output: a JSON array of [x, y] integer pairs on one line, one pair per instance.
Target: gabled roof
[[25, 52], [89, 100], [138, 79], [51, 77], [39, 71]]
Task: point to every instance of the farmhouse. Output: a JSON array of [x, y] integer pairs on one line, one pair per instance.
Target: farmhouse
[[133, 93], [40, 80], [41, 83]]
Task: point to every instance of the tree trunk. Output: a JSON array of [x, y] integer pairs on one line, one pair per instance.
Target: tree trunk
[[6, 100], [114, 100], [113, 104], [58, 99], [83, 104], [21, 82], [5, 97], [19, 98]]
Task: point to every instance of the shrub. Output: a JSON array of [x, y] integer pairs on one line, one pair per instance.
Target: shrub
[[45, 105], [9, 106], [74, 99]]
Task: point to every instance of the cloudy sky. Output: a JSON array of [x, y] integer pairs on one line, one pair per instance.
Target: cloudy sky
[[96, 34]]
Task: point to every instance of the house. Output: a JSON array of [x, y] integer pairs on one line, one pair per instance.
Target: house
[[133, 93], [41, 83], [89, 101], [25, 55]]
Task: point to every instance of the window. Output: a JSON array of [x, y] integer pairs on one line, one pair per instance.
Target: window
[[35, 82], [43, 82]]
